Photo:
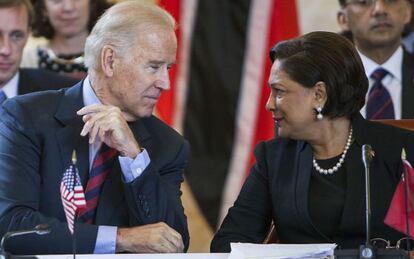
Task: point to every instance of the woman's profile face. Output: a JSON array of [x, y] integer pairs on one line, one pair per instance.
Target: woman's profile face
[[68, 18], [291, 104]]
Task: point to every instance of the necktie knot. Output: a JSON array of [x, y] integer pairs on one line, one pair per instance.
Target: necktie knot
[[379, 74]]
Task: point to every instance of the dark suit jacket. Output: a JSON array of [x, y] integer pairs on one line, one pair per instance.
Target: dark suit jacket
[[33, 80], [38, 132], [407, 111], [277, 189]]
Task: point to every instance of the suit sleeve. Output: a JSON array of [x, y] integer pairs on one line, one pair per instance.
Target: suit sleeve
[[249, 218], [20, 187], [155, 195]]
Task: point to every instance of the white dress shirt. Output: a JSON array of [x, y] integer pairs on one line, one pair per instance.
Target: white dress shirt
[[11, 87]]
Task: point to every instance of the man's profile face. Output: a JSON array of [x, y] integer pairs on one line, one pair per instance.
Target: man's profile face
[[141, 77], [375, 25], [14, 31]]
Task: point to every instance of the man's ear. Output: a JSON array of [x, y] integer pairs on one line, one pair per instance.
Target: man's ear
[[108, 60], [342, 19], [320, 94]]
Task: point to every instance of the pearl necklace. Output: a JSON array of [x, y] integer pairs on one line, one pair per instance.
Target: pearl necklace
[[340, 162]]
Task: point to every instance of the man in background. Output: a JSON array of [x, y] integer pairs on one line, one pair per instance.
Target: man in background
[[15, 19], [130, 163], [376, 27]]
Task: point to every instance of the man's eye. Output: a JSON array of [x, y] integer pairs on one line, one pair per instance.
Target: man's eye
[[362, 2], [17, 36]]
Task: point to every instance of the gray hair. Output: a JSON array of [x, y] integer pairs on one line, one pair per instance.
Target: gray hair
[[120, 27]]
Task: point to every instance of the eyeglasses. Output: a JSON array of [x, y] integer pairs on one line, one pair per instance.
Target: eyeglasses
[[402, 243], [370, 3]]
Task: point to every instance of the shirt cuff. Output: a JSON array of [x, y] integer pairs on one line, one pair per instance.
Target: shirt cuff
[[132, 168], [106, 240]]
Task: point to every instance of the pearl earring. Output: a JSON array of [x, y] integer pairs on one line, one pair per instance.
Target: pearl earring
[[319, 116]]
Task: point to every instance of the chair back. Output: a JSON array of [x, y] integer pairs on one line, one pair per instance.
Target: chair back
[[405, 123]]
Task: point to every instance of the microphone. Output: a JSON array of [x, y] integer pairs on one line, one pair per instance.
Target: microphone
[[367, 155], [41, 229]]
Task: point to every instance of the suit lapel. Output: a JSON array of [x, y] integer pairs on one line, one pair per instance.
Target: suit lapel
[[355, 179], [354, 188], [304, 171], [141, 133], [68, 136], [407, 86]]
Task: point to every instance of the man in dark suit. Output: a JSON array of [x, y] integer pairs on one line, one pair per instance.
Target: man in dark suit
[[135, 205], [15, 17], [376, 27]]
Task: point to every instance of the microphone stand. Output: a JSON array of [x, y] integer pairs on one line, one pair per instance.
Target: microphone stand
[[41, 229], [367, 251]]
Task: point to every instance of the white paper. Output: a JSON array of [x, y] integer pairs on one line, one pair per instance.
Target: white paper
[[280, 251]]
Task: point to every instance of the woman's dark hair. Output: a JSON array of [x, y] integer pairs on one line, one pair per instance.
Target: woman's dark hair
[[332, 59], [43, 28]]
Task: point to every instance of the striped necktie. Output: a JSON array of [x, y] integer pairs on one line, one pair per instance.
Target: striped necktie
[[3, 96], [379, 105], [101, 167]]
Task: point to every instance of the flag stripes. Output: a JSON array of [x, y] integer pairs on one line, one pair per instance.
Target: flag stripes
[[72, 195], [216, 64], [219, 89], [249, 100]]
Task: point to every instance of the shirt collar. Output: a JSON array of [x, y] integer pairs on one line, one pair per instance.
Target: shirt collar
[[392, 65], [89, 96], [10, 88]]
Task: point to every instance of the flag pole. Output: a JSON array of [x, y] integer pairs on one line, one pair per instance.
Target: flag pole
[[405, 179], [74, 239], [74, 160]]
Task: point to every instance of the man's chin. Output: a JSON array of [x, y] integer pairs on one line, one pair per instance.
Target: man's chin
[[384, 39]]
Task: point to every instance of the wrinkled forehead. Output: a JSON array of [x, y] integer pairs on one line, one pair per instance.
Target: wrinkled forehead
[[162, 44], [165, 38]]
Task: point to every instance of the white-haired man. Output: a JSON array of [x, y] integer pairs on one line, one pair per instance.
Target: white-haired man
[[130, 163]]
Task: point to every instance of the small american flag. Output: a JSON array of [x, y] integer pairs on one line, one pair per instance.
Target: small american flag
[[71, 191]]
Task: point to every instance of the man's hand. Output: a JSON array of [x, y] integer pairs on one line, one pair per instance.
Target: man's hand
[[151, 238], [110, 125]]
